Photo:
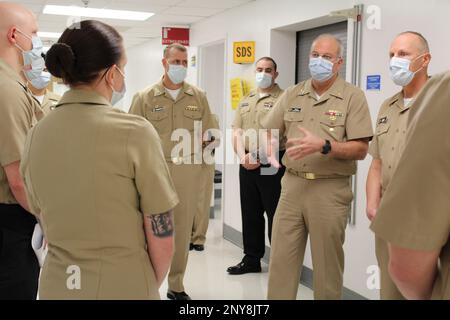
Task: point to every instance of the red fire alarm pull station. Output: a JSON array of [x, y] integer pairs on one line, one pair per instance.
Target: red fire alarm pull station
[[175, 35]]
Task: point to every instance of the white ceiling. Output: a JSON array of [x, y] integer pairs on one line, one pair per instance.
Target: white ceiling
[[167, 13]]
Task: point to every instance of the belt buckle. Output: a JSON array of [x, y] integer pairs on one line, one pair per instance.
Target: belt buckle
[[310, 176]]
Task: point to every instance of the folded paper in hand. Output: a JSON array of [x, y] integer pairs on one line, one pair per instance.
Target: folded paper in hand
[[39, 246]]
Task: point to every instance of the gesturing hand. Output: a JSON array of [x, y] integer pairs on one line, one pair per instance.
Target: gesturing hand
[[298, 148]]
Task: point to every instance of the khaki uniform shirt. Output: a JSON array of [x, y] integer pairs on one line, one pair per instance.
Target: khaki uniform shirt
[[415, 210], [167, 115], [390, 133], [19, 112], [341, 114], [50, 101], [252, 109], [91, 172]]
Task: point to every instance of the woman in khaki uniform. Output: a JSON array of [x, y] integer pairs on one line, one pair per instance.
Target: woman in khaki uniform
[[105, 200]]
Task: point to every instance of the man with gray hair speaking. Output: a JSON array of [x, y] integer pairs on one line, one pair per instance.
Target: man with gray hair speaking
[[327, 125]]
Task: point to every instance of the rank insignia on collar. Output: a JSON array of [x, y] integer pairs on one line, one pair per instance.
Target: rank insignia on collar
[[383, 120], [191, 108], [158, 109], [295, 109]]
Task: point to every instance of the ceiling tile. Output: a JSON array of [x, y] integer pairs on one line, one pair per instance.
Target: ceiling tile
[[191, 11], [174, 19], [145, 7], [218, 4], [167, 13], [156, 2]]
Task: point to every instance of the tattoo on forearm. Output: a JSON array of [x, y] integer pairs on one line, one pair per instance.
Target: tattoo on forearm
[[162, 224]]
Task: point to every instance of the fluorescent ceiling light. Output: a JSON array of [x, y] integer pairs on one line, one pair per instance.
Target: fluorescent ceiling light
[[51, 35], [76, 11]]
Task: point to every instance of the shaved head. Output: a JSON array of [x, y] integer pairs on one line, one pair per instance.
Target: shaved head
[[416, 41], [17, 25], [15, 15]]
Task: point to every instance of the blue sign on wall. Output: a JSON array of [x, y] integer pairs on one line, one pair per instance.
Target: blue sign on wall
[[374, 82]]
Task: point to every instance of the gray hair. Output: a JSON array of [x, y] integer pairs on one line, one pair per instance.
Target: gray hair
[[329, 37]]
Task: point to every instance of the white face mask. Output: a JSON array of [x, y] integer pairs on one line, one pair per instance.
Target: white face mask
[[321, 69], [263, 80], [400, 72], [117, 96], [42, 81], [33, 61], [177, 73]]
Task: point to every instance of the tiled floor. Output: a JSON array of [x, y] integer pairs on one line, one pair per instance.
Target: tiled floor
[[206, 277]]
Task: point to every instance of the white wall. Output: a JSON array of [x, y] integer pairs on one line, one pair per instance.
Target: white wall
[[143, 69], [431, 18], [211, 76], [256, 21]]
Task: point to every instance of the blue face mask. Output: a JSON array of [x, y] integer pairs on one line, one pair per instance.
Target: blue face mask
[[33, 61], [177, 73], [399, 70], [118, 95], [263, 80], [320, 69], [42, 81]]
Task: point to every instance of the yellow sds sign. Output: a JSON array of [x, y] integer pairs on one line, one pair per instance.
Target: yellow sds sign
[[244, 52]]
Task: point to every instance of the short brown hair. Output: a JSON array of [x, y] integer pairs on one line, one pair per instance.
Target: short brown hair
[[275, 66], [177, 46]]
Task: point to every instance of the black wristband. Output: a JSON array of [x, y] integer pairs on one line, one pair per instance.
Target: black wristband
[[326, 149]]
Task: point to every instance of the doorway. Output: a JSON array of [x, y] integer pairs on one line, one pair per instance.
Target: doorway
[[305, 39], [211, 79]]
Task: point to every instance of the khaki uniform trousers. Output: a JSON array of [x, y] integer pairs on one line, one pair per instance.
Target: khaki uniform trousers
[[184, 177], [318, 208], [201, 219], [388, 289]]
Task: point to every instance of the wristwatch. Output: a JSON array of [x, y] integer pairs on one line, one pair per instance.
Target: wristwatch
[[326, 149]]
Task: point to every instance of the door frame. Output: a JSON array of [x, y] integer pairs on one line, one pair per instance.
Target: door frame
[[222, 123], [282, 37]]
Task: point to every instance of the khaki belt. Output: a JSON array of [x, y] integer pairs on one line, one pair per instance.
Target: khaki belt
[[313, 176]]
